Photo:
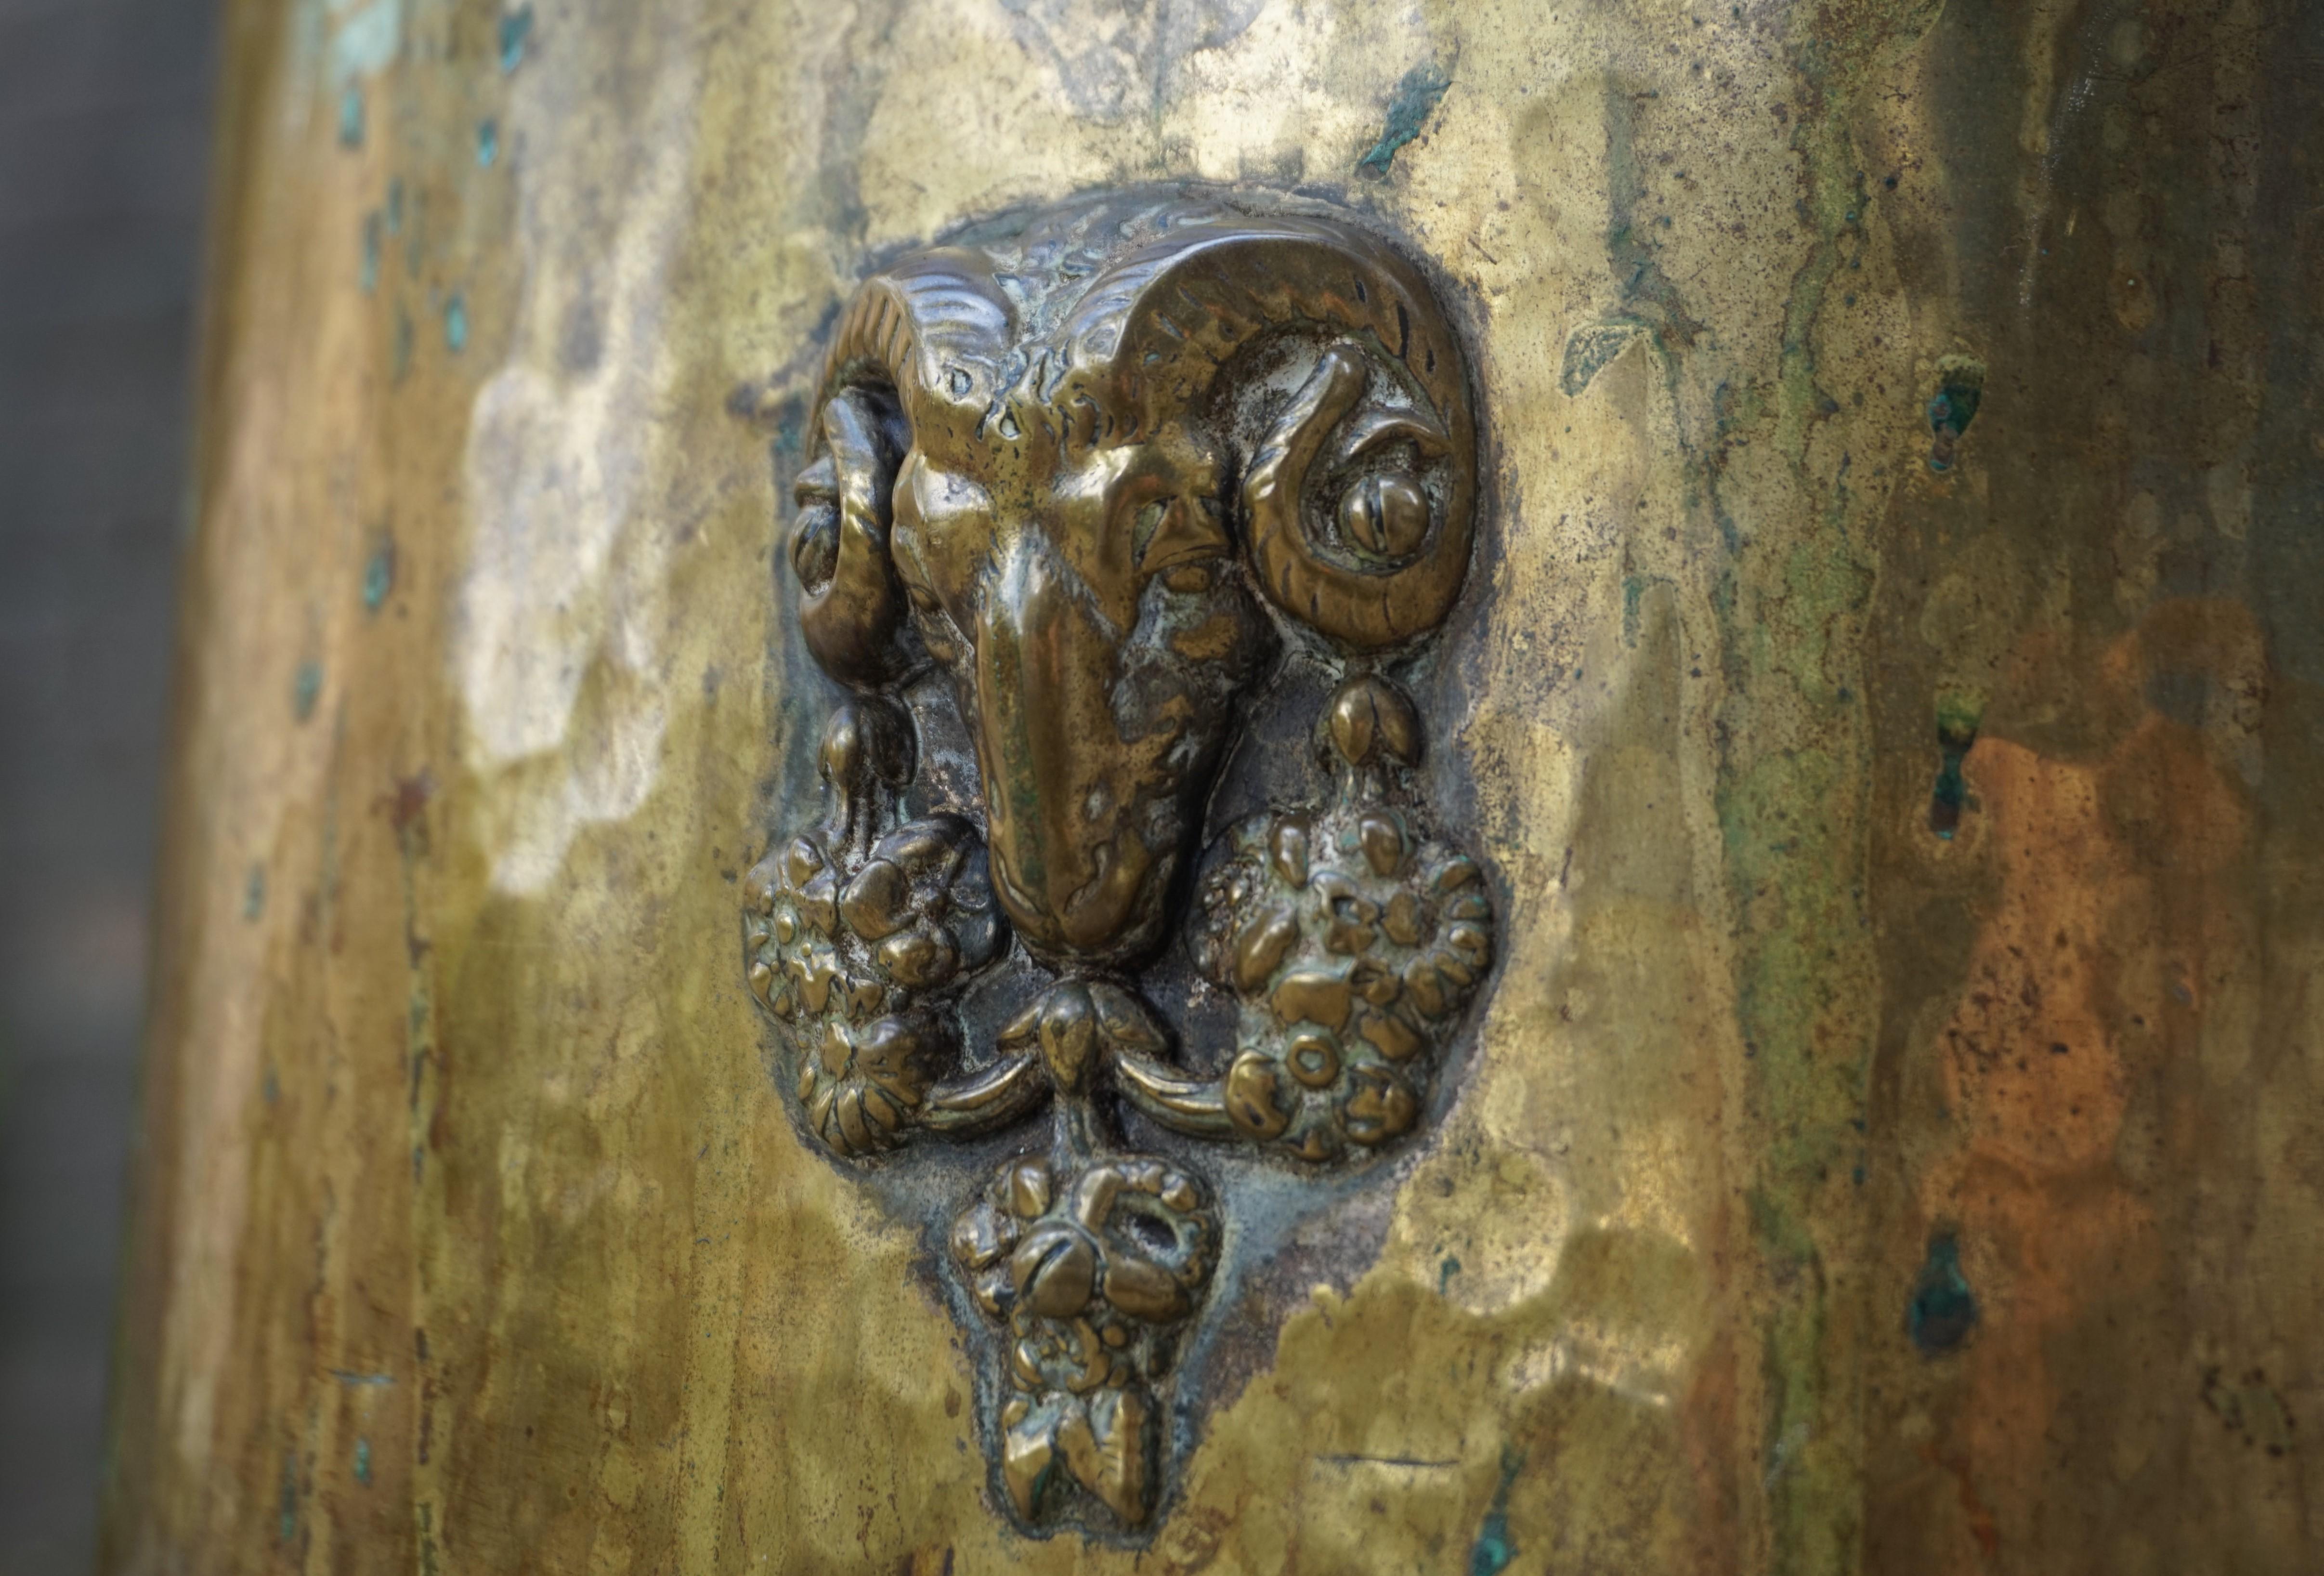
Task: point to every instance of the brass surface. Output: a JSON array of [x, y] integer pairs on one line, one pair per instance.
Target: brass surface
[[1880, 700]]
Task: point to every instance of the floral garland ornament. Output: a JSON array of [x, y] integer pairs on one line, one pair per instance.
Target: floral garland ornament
[[1352, 943], [1071, 489], [861, 933], [1090, 1281]]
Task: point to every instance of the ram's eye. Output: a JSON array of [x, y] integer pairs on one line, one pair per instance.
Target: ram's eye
[[1384, 517], [1170, 533], [914, 578], [929, 616], [814, 546]]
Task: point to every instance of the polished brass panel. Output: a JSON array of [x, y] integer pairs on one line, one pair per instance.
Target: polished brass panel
[[1083, 487]]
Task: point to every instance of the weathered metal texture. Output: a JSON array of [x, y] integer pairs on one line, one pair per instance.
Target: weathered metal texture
[[1886, 692]]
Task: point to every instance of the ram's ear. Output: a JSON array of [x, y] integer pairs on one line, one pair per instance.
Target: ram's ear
[[851, 606]]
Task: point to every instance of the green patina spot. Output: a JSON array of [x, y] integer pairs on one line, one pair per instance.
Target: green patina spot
[[362, 1462], [456, 322], [1445, 1274], [287, 1498], [1960, 389], [379, 576], [351, 116], [1490, 1554], [516, 31], [395, 205], [306, 689], [1649, 296], [488, 144], [1943, 1310], [253, 892], [1414, 101], [1958, 716]]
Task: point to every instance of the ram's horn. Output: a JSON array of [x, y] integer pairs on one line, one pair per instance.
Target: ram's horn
[[1380, 559], [914, 362]]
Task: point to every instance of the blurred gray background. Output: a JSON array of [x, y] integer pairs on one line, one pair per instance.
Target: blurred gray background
[[104, 144]]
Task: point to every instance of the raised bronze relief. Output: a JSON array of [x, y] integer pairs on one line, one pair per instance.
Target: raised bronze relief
[[1077, 493]]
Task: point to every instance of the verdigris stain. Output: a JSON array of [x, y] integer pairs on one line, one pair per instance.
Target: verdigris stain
[[1957, 721], [1415, 99], [1943, 1310], [1961, 388], [1490, 1554], [379, 576], [516, 29]]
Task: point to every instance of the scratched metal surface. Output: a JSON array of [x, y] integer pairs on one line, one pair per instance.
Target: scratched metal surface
[[1891, 704]]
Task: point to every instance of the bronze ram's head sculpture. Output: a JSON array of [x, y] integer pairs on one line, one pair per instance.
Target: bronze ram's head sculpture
[[1096, 471], [1040, 469]]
